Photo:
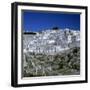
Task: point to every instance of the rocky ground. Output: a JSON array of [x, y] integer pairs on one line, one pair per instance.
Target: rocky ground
[[65, 63]]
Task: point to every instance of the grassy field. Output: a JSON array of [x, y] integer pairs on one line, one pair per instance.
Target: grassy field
[[65, 63]]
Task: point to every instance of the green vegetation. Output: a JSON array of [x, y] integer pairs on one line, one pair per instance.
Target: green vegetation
[[65, 63]]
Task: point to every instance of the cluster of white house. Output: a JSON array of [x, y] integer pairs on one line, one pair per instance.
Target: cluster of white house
[[51, 41]]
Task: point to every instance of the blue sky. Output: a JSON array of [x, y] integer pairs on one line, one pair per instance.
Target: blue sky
[[34, 21]]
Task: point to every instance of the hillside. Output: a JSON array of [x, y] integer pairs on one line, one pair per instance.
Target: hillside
[[51, 52], [66, 63]]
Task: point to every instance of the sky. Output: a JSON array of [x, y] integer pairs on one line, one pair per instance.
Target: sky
[[34, 21]]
